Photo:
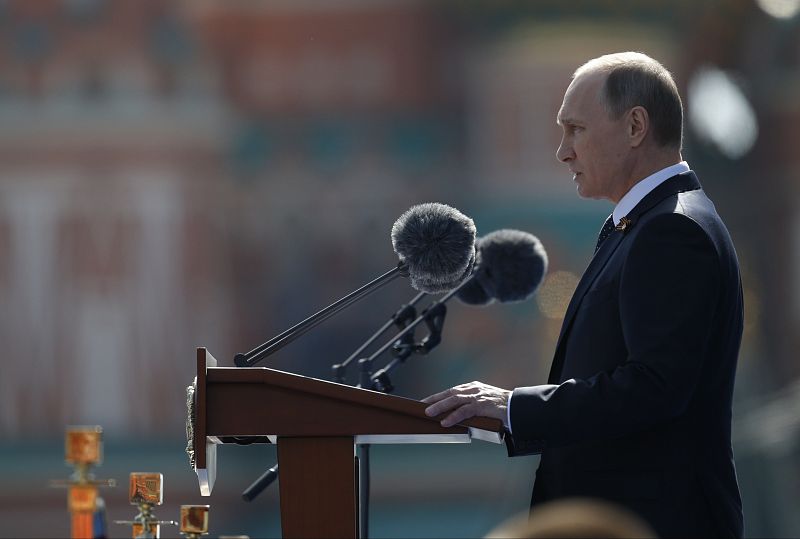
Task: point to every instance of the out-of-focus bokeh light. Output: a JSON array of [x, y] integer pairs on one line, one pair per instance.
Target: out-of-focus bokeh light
[[780, 9], [772, 426], [720, 113], [752, 312], [553, 297]]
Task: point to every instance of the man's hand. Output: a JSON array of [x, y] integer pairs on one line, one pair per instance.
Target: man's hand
[[469, 400]]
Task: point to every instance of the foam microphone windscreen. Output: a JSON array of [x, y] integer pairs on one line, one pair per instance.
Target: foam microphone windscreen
[[473, 292], [511, 266], [437, 244]]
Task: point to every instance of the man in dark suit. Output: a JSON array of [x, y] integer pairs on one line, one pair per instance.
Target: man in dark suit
[[637, 408]]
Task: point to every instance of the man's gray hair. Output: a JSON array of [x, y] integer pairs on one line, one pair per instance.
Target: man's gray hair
[[634, 79]]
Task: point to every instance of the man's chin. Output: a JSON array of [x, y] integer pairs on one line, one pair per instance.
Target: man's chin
[[584, 190], [589, 195]]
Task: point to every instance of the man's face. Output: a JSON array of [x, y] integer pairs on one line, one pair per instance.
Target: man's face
[[592, 144]]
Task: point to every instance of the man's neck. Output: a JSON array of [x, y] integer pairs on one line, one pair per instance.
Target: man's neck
[[646, 166]]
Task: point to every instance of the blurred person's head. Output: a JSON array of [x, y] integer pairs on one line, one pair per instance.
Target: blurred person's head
[[577, 517], [621, 120]]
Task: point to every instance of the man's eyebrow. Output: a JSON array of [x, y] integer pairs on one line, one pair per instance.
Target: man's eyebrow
[[565, 121]]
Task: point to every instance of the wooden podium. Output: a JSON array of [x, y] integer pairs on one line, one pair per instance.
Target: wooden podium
[[316, 425]]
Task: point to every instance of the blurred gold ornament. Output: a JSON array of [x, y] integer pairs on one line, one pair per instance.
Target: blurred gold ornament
[[194, 520], [84, 445], [145, 489], [83, 448]]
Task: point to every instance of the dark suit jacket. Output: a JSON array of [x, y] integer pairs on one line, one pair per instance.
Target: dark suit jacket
[[637, 409]]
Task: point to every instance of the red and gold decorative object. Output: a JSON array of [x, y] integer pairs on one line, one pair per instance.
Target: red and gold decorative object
[[624, 224], [145, 491], [194, 520], [84, 449]]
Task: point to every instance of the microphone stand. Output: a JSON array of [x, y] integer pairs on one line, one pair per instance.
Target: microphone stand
[[436, 311], [276, 343], [401, 319], [402, 348]]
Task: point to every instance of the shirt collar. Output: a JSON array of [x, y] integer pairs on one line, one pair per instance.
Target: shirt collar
[[643, 187]]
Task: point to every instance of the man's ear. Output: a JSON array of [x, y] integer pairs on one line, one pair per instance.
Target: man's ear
[[638, 125]]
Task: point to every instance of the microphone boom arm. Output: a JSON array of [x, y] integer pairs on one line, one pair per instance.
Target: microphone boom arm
[[405, 346], [401, 318], [276, 343], [421, 318]]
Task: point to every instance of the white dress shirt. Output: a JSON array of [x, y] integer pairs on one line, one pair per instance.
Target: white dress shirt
[[624, 207], [643, 188]]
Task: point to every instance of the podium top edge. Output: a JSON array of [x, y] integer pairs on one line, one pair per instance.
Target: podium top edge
[[297, 382]]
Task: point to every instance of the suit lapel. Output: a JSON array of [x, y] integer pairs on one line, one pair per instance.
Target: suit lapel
[[597, 263], [677, 184]]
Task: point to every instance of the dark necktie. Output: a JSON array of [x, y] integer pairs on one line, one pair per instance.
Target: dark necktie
[[608, 228]]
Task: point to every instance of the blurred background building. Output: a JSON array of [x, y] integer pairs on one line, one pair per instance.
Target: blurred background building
[[208, 173]]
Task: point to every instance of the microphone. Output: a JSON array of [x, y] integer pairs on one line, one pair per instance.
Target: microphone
[[436, 247], [437, 243], [265, 480], [510, 266]]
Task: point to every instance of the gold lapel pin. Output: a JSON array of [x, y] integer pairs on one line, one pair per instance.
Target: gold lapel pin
[[624, 223]]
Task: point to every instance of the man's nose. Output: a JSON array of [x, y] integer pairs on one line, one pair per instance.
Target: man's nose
[[564, 152]]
